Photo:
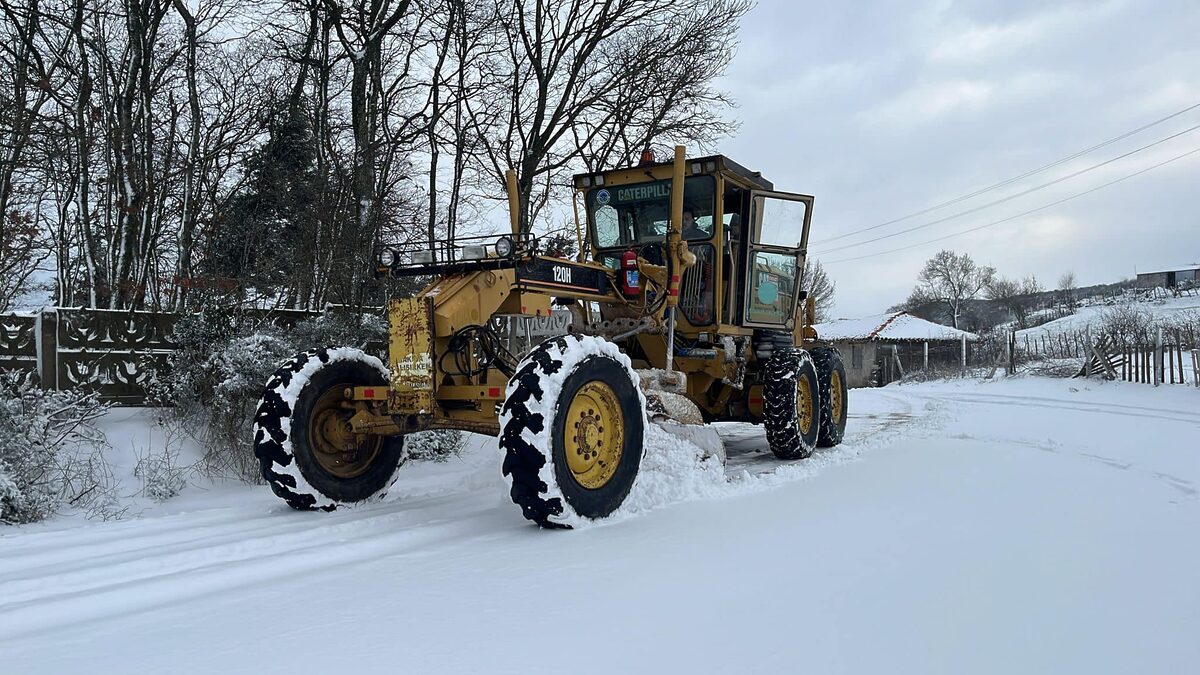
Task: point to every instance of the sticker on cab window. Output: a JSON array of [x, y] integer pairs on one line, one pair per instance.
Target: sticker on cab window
[[602, 197]]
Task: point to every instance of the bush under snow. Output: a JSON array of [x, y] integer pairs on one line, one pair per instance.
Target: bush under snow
[[51, 453], [438, 445], [217, 375]]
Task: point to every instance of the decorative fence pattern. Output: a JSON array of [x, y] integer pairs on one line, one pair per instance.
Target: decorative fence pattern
[[18, 343], [117, 353]]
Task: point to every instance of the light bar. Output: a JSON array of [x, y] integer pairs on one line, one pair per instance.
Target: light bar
[[473, 253]]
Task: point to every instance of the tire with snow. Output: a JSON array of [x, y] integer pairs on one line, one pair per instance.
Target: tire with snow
[[302, 438], [790, 415], [571, 429], [831, 392]]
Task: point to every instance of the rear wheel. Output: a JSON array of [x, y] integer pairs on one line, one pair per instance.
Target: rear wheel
[[790, 412], [572, 427], [309, 454], [831, 388]]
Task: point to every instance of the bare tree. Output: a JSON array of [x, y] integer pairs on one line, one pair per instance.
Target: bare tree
[[29, 59], [816, 282], [362, 27], [951, 279], [578, 78], [1017, 296], [22, 252], [1066, 289], [161, 150]]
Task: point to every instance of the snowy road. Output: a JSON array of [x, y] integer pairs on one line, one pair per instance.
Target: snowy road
[[1027, 526]]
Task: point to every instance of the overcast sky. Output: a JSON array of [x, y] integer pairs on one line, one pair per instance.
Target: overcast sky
[[881, 109]]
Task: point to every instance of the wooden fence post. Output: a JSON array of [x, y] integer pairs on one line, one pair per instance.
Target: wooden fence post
[[1179, 348], [1010, 346], [1196, 367], [1158, 357], [1089, 352]]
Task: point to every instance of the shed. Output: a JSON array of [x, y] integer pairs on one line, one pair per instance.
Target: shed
[[878, 349], [1179, 276]]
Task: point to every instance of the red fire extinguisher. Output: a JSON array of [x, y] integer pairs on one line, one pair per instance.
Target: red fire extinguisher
[[628, 280]]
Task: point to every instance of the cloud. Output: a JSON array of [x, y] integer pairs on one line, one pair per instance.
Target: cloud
[[978, 42], [883, 108], [931, 102], [963, 40]]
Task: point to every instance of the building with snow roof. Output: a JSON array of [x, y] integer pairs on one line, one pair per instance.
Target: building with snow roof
[[880, 348], [1180, 276]]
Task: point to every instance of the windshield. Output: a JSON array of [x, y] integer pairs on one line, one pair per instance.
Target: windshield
[[624, 215]]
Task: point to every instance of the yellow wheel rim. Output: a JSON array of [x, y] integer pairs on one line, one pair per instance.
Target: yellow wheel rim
[[594, 435], [835, 395], [804, 405], [337, 449]]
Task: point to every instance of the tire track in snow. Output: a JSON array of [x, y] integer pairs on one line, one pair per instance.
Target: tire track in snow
[[50, 580], [1187, 417], [1138, 412], [41, 564], [1083, 406], [94, 541], [132, 585]]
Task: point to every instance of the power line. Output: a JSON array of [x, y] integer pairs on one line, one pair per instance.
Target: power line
[[1012, 196], [1014, 179], [1019, 215]]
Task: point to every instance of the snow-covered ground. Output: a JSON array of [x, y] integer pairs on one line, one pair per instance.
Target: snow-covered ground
[[1015, 526]]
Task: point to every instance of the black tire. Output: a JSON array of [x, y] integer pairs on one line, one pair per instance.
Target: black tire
[[285, 450], [828, 361], [781, 401], [533, 420]]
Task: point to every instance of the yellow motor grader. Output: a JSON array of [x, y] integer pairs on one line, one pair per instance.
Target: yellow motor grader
[[684, 305]]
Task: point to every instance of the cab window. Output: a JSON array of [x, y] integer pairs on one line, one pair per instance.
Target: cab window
[[782, 222], [627, 215]]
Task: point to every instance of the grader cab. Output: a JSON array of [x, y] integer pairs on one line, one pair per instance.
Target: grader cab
[[683, 306]]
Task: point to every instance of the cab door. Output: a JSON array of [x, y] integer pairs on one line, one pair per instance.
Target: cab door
[[779, 223]]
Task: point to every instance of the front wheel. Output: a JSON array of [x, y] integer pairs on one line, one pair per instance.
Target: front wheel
[[571, 429], [309, 454]]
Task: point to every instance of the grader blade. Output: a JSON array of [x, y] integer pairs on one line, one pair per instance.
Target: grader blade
[[676, 414]]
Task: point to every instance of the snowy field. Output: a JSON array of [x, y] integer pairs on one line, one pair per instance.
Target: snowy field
[[1019, 526]]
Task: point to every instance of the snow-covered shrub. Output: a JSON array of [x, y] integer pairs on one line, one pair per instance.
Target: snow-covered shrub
[[1127, 323], [1184, 326], [216, 376], [214, 384], [51, 453], [339, 329], [437, 445], [161, 474]]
